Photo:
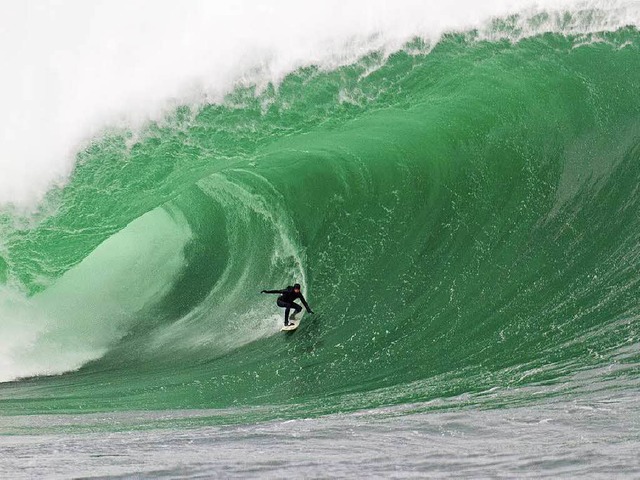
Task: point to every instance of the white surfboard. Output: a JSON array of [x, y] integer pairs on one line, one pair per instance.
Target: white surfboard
[[291, 327]]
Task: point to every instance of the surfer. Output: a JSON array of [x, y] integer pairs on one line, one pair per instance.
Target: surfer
[[286, 301]]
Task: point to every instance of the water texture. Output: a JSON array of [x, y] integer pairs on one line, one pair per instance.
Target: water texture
[[462, 215]]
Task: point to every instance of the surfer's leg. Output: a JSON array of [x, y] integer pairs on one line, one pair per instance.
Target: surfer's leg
[[287, 306], [297, 309]]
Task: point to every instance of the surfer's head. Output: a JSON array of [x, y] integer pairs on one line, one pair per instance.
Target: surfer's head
[[296, 287]]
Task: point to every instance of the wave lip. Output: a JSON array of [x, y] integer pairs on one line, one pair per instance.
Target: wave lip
[[90, 68]]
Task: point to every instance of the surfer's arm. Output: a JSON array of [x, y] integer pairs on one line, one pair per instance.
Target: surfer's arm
[[273, 291], [306, 305]]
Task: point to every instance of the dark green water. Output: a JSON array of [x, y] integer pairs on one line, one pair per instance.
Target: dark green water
[[460, 220]]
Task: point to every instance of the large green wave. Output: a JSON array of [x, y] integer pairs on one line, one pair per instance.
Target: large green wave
[[461, 218]]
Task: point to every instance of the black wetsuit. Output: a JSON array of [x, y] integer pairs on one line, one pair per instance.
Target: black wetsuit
[[286, 301]]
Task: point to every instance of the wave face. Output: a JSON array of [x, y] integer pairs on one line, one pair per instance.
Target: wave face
[[462, 217]]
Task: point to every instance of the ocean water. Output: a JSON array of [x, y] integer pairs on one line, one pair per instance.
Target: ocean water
[[456, 189]]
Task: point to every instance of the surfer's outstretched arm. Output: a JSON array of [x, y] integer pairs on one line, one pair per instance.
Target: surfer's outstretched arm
[[273, 291]]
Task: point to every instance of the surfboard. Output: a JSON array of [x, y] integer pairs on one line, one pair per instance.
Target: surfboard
[[291, 327]]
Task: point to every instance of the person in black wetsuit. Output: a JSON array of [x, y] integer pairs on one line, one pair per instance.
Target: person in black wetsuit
[[286, 301]]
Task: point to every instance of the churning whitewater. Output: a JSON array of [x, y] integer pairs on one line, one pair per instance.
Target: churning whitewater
[[456, 189]]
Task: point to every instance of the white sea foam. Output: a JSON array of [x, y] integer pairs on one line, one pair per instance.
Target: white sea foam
[[73, 68], [92, 305]]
